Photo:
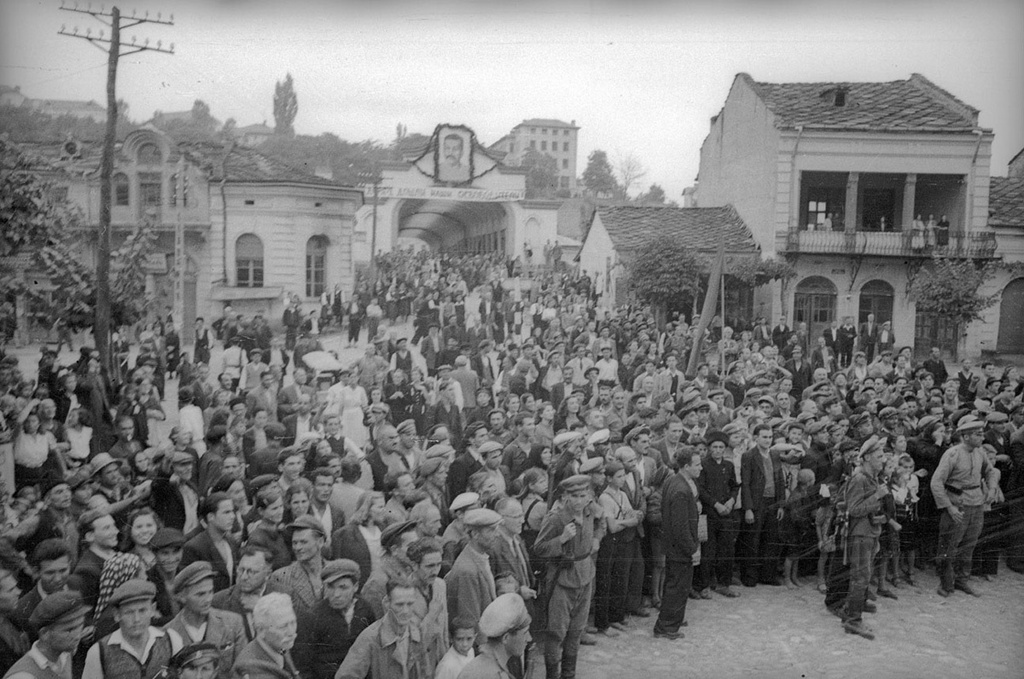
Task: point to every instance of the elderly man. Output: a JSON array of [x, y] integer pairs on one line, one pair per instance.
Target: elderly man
[[392, 647], [505, 624], [60, 621], [470, 582], [301, 579], [268, 656], [327, 632], [136, 648], [957, 488], [198, 622]]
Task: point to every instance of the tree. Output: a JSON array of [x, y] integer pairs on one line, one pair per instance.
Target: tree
[[661, 271], [758, 272], [541, 174], [286, 106], [949, 288], [654, 196], [630, 171], [598, 176], [229, 127]]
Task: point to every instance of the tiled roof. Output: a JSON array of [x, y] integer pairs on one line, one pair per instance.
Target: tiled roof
[[246, 165], [550, 122], [1006, 201], [700, 228], [914, 104]]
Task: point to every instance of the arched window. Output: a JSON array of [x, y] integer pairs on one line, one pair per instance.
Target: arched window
[[149, 154], [249, 261], [876, 298], [316, 264], [121, 189]]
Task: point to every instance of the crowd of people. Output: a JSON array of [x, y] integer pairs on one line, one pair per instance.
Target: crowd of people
[[527, 473]]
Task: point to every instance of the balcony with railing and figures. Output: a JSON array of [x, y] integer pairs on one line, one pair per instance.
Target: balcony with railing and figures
[[978, 245]]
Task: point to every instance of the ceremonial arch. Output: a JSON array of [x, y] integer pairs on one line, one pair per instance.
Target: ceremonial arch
[[454, 195]]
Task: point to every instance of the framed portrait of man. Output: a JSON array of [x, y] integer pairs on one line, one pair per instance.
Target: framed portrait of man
[[454, 154]]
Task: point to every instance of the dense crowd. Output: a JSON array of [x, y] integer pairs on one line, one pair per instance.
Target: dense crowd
[[527, 473]]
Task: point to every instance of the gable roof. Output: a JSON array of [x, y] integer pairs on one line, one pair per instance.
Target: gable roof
[[1006, 201], [912, 105], [242, 164], [630, 226]]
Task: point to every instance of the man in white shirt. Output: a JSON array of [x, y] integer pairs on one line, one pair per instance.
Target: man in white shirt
[[607, 367], [60, 620]]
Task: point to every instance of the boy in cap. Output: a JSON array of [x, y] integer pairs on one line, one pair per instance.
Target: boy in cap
[[327, 632], [505, 624], [59, 620], [198, 621], [136, 648]]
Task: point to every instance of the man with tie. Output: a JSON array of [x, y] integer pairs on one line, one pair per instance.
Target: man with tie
[[869, 337], [268, 656], [847, 338], [509, 554]]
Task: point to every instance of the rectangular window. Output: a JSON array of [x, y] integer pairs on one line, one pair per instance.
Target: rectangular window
[[533, 144], [565, 163], [543, 130], [543, 146], [565, 146], [315, 265], [150, 189], [121, 190], [533, 130], [565, 133], [250, 273]]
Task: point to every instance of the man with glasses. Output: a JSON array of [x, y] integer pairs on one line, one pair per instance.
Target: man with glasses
[[250, 584], [957, 488]]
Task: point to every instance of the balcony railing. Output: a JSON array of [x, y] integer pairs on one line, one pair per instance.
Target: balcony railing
[[889, 244]]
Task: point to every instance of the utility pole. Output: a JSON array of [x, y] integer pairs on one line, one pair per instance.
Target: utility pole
[[113, 46]]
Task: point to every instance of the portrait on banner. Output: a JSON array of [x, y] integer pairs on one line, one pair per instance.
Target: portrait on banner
[[454, 148]]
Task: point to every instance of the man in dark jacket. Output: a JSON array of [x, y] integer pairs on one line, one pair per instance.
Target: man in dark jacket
[[679, 540]]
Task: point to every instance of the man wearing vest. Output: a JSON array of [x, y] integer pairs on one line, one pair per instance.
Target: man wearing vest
[[137, 650], [60, 619]]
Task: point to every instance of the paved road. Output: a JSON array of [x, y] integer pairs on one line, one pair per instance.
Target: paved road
[[772, 632]]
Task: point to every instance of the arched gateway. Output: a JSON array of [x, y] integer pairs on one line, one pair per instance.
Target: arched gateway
[[455, 195]]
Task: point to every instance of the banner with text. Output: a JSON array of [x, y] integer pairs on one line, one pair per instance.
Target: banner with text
[[450, 193]]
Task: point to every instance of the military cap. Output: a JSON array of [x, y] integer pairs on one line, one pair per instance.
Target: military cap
[[489, 447], [506, 613], [888, 412], [132, 591], [193, 574], [567, 437], [338, 569], [969, 423], [390, 535], [102, 461], [591, 465], [63, 606], [575, 483], [463, 500], [193, 654], [406, 427], [307, 522], [483, 518], [167, 537]]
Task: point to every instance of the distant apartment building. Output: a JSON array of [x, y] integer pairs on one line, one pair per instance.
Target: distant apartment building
[[12, 96], [555, 138]]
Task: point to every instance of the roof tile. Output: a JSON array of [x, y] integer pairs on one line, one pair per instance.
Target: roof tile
[[630, 226], [1006, 201]]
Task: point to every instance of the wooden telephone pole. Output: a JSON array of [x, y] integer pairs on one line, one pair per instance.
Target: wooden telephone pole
[[113, 46]]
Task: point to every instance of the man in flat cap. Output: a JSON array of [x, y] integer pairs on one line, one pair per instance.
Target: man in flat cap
[[196, 661], [505, 624], [394, 563], [59, 620], [957, 488], [136, 648], [328, 630], [301, 578], [470, 582], [567, 538], [199, 622]]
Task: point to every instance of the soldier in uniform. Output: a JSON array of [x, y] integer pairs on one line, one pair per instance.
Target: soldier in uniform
[[864, 508], [567, 539]]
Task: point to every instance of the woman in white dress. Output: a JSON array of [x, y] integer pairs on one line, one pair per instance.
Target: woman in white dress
[[348, 400]]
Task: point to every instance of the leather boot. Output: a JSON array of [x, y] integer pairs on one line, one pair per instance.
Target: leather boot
[[568, 667]]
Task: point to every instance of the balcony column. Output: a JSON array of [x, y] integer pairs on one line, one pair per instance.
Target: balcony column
[[850, 217], [909, 193]]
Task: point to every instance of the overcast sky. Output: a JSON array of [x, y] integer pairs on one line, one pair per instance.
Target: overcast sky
[[640, 77]]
